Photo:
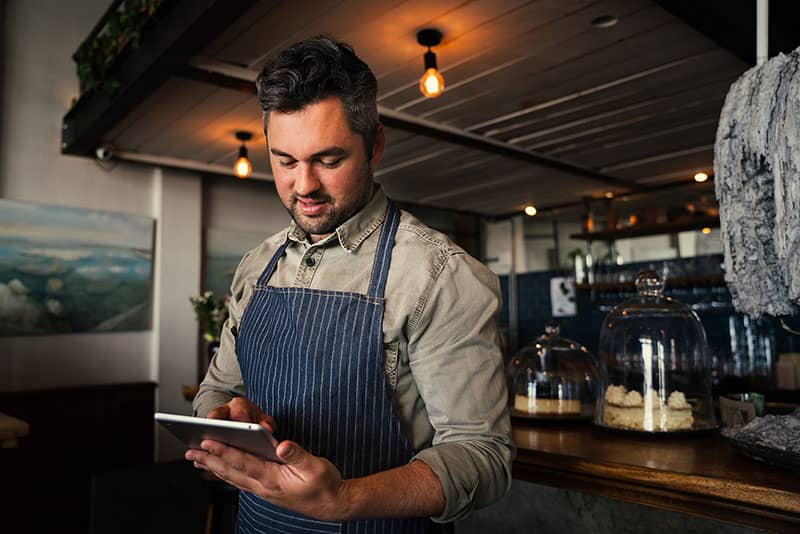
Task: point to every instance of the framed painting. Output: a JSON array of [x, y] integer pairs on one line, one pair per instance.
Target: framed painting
[[68, 270]]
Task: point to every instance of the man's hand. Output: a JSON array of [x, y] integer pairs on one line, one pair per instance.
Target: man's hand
[[244, 410], [306, 483]]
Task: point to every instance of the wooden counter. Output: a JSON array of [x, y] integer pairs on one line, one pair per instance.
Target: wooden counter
[[697, 474]]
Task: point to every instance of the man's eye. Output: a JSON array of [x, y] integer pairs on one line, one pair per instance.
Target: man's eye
[[287, 162], [331, 163]]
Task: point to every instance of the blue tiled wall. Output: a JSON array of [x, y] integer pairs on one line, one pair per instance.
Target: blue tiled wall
[[534, 309]]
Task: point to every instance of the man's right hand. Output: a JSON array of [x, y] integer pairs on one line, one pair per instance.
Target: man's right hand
[[244, 410]]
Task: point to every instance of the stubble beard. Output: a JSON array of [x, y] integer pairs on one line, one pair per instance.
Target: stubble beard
[[327, 222]]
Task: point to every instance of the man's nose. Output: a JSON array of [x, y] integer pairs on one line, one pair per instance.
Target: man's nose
[[305, 182]]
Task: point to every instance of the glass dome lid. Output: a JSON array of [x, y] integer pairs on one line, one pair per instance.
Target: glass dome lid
[[553, 378], [658, 375]]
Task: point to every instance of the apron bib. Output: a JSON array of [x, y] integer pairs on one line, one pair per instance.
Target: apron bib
[[313, 360]]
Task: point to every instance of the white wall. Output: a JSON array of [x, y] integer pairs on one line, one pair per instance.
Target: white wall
[[38, 83], [499, 237], [177, 200], [251, 205]]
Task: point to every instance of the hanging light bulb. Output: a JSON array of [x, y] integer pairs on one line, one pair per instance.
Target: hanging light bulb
[[242, 168], [700, 177], [432, 83], [530, 211]]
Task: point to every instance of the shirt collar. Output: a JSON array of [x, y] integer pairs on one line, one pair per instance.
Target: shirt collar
[[354, 230]]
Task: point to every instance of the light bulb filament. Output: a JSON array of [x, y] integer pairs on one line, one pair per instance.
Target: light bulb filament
[[242, 167], [432, 83]]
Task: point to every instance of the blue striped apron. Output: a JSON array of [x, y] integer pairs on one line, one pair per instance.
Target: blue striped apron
[[313, 360]]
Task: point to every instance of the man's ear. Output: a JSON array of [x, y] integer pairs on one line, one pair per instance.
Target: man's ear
[[377, 146]]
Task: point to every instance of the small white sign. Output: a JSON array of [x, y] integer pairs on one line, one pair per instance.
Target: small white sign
[[562, 297]]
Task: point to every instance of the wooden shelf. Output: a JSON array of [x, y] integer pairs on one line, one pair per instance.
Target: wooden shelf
[[697, 474], [687, 281], [642, 230]]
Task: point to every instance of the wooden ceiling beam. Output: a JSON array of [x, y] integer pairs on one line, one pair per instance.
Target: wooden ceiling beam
[[409, 123], [449, 134], [182, 31]]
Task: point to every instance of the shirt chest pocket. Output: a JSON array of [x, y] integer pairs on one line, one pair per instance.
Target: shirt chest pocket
[[391, 357]]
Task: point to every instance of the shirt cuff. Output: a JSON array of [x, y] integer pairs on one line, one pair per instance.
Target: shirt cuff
[[208, 399], [460, 477]]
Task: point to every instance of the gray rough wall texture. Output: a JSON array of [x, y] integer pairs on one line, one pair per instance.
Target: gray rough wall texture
[[757, 175], [531, 508]]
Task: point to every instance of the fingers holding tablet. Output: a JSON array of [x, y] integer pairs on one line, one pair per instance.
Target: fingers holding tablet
[[243, 410], [249, 437]]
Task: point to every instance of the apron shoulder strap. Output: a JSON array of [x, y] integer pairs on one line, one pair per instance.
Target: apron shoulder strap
[[270, 268], [383, 253]]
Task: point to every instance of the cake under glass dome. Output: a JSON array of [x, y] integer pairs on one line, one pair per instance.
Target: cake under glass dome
[[553, 378], [657, 366]]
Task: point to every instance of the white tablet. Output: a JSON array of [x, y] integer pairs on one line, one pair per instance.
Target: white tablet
[[248, 437]]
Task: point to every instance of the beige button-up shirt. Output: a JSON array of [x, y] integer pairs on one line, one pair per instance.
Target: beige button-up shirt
[[442, 360]]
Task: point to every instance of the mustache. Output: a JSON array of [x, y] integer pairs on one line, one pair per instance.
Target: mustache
[[316, 196]]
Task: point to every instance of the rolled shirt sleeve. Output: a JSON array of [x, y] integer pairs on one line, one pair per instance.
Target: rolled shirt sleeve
[[458, 368], [224, 381]]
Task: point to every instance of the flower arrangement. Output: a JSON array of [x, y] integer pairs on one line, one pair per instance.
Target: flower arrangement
[[211, 314]]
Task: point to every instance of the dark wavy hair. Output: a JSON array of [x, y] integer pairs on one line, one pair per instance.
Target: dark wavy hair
[[318, 68]]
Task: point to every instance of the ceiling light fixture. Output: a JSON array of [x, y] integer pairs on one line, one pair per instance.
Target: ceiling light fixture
[[706, 230], [605, 21], [609, 194], [530, 211], [431, 84], [242, 168], [700, 177]]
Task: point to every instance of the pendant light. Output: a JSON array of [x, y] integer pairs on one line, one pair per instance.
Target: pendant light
[[242, 167], [431, 84]]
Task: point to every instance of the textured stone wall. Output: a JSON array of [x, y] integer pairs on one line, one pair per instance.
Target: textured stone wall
[[757, 174]]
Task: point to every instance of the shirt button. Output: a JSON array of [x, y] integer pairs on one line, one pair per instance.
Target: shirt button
[[310, 261]]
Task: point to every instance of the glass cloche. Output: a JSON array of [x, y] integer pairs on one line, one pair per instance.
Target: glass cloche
[[657, 367], [553, 378]]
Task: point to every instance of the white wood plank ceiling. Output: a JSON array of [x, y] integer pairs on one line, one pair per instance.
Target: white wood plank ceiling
[[638, 101]]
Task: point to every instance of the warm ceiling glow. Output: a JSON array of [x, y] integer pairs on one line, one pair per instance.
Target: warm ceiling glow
[[700, 177], [609, 194], [530, 211], [431, 84], [706, 230], [242, 167]]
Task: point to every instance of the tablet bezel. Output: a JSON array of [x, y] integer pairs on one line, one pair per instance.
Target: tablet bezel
[[249, 437]]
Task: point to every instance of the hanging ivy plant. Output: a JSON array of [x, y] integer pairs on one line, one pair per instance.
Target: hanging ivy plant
[[97, 56]]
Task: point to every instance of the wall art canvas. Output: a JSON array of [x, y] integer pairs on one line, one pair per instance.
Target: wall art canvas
[[224, 248], [68, 270]]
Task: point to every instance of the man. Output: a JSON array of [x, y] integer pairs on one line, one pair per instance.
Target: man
[[361, 337]]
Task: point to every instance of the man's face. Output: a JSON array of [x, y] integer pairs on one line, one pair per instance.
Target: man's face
[[320, 165]]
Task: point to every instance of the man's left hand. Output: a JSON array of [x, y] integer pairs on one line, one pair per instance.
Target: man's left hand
[[307, 484]]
